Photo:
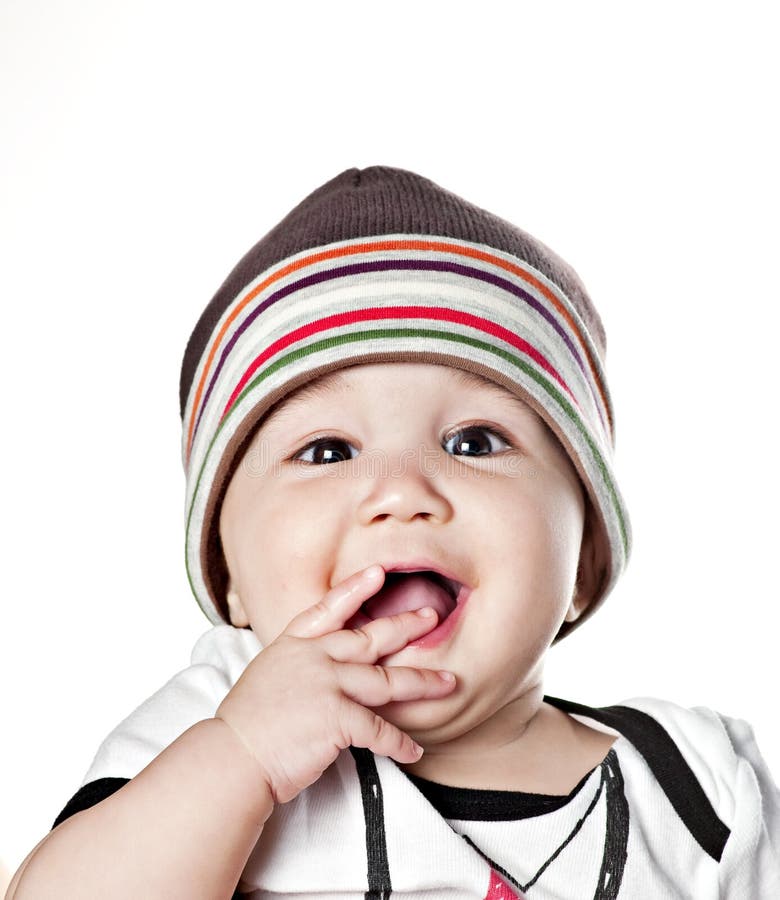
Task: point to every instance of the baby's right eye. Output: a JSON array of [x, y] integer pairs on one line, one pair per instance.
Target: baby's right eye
[[329, 455]]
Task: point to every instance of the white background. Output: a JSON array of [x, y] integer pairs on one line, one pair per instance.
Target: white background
[[146, 145]]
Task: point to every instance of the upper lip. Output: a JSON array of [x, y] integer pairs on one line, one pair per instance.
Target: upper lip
[[453, 582]]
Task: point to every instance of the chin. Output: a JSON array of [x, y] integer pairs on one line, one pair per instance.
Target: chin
[[425, 720]]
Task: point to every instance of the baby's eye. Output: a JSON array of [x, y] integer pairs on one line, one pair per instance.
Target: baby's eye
[[472, 439], [325, 450]]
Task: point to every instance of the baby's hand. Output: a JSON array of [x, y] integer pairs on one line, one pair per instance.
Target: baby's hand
[[303, 698]]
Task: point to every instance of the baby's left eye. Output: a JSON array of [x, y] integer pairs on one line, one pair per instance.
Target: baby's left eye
[[472, 438]]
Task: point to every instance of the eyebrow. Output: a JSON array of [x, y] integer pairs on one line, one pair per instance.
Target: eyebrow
[[464, 378], [333, 384]]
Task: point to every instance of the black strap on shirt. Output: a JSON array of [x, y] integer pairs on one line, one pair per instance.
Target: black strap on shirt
[[378, 870], [667, 764], [90, 795]]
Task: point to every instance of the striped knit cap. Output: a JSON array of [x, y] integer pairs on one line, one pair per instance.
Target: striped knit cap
[[382, 265]]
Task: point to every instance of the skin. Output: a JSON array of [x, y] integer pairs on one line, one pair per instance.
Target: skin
[[399, 478]]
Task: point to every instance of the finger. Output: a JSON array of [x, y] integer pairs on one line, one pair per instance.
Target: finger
[[338, 605], [380, 636], [377, 685], [367, 729], [381, 737]]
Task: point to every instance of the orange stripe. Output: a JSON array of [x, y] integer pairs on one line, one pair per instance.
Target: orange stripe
[[370, 247]]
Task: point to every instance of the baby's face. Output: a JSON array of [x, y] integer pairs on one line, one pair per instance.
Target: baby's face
[[393, 463]]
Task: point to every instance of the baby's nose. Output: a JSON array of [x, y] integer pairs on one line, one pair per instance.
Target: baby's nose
[[406, 486]]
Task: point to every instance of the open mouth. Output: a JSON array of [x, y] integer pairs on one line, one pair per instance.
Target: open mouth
[[408, 591]]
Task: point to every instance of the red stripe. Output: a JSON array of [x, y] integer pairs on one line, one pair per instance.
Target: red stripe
[[397, 312], [499, 889]]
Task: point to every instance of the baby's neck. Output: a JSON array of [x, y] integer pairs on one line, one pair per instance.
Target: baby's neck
[[551, 756]]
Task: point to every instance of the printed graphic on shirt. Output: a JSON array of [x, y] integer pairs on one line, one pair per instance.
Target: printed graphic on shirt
[[613, 861], [502, 884]]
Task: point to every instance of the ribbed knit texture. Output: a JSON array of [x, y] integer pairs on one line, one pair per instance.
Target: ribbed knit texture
[[382, 265]]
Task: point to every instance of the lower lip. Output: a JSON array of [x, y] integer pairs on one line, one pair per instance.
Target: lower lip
[[443, 631]]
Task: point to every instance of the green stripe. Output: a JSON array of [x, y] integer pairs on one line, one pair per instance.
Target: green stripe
[[357, 336]]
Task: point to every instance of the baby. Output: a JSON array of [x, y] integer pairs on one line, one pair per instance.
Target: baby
[[397, 434]]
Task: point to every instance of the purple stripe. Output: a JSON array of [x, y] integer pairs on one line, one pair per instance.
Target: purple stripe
[[385, 265]]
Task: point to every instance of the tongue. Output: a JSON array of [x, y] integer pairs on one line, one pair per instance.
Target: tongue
[[409, 593]]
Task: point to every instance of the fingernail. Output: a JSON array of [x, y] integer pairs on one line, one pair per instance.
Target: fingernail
[[427, 612], [417, 749], [372, 572], [446, 676]]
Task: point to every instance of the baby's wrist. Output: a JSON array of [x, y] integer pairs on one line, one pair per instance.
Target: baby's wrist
[[241, 749]]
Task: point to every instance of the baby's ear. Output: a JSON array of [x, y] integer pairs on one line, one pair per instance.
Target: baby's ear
[[592, 561], [579, 602], [238, 616]]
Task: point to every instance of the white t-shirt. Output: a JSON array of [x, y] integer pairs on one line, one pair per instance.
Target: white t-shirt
[[683, 806]]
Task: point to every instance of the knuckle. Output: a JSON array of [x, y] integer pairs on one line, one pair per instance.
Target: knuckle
[[319, 609], [337, 717], [379, 727], [385, 674], [363, 635]]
